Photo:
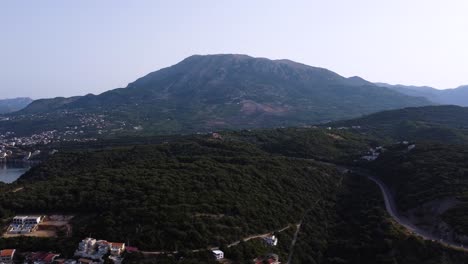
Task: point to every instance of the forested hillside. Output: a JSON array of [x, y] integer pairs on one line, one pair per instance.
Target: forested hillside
[[174, 196], [444, 124]]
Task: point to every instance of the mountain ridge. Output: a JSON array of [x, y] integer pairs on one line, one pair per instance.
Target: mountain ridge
[[452, 96], [224, 91]]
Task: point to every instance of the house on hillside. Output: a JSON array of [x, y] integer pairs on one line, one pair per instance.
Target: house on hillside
[[218, 254], [271, 240], [7, 255]]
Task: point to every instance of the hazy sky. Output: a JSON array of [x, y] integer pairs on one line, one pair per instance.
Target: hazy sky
[[63, 48]]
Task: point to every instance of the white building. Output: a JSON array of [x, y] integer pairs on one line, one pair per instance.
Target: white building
[[24, 224], [218, 254], [32, 220], [86, 246], [19, 220], [271, 240]]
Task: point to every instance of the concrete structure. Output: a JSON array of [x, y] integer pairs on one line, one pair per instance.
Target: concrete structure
[[24, 224], [27, 220], [7, 255]]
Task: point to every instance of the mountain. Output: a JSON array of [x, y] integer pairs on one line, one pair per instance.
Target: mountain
[[456, 96], [204, 93], [445, 123], [12, 105]]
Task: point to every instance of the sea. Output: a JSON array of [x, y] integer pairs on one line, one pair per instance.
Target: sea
[[11, 172]]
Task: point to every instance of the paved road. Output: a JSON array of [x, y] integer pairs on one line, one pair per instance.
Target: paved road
[[392, 208], [393, 212]]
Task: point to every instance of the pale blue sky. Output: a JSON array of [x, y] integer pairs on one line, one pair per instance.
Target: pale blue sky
[[62, 48]]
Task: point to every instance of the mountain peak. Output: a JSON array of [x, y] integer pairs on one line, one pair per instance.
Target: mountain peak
[[206, 92]]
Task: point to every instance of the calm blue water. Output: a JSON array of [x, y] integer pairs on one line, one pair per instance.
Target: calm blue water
[[9, 173]]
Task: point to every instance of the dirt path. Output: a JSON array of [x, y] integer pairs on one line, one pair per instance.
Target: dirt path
[[293, 242], [235, 243]]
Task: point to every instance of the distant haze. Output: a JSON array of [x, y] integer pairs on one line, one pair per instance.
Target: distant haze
[[64, 48]]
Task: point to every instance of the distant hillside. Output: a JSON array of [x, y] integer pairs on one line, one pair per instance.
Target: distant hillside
[[12, 105], [203, 93], [456, 96], [447, 124]]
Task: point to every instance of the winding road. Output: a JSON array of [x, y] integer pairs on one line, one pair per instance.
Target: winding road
[[403, 221]]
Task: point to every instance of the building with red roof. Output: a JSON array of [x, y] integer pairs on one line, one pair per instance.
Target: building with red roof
[[7, 255]]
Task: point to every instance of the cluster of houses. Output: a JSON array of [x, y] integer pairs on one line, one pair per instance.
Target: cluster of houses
[[91, 250], [410, 146], [24, 224], [10, 140], [373, 153]]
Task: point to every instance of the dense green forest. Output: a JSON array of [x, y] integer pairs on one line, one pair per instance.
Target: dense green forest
[[443, 124], [174, 196], [314, 143]]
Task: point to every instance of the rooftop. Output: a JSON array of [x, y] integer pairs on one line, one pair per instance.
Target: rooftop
[[7, 252]]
